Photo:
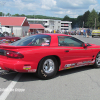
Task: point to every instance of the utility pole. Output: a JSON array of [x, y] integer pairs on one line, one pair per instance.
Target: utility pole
[[83, 24], [34, 19], [95, 23]]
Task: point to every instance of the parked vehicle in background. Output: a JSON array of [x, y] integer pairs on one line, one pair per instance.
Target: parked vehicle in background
[[95, 33], [5, 31], [8, 39]]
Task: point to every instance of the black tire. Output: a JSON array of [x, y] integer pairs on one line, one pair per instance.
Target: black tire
[[97, 61], [44, 71]]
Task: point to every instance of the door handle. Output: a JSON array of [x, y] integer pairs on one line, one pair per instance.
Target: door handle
[[67, 51]]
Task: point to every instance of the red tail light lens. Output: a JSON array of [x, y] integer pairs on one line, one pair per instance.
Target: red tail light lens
[[13, 54]]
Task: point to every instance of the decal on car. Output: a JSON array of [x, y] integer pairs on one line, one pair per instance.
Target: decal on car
[[69, 68], [67, 65], [32, 70], [79, 64], [27, 67]]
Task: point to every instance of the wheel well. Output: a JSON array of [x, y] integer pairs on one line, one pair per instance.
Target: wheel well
[[57, 58]]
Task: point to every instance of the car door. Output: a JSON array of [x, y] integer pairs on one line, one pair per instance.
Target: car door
[[74, 52]]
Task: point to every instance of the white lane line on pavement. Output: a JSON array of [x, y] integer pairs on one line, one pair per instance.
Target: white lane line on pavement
[[10, 87]]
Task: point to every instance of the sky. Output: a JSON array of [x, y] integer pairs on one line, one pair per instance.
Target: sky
[[53, 8]]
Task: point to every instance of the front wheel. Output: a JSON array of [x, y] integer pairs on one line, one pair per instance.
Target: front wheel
[[97, 61], [47, 68]]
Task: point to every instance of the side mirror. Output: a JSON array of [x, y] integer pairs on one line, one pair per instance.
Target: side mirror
[[84, 45]]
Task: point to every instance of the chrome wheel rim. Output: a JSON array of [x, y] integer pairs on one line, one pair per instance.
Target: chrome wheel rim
[[98, 59], [48, 66]]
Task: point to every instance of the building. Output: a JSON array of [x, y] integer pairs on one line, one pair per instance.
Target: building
[[66, 25], [36, 27], [51, 24], [19, 25]]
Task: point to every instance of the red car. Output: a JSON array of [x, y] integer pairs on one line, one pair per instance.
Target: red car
[[45, 54], [8, 39]]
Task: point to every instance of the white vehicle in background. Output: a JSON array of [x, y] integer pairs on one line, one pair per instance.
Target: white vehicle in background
[[5, 30]]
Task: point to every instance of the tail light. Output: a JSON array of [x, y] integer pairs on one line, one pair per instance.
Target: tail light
[[13, 54]]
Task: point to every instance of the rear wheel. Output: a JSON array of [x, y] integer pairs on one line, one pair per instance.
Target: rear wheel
[[97, 61], [47, 68]]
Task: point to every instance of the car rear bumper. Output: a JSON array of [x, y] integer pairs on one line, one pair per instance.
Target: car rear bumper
[[18, 66]]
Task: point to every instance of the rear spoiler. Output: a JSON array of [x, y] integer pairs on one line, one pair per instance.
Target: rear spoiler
[[7, 46]]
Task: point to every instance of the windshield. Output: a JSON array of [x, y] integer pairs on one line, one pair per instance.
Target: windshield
[[34, 40]]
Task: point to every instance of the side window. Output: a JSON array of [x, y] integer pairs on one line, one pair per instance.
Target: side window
[[69, 41], [43, 42]]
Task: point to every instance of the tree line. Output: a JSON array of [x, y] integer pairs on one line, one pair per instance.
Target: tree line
[[87, 20], [31, 16]]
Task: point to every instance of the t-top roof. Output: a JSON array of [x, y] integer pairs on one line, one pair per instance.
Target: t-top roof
[[13, 21]]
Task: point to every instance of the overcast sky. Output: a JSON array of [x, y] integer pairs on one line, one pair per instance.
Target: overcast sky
[[53, 8]]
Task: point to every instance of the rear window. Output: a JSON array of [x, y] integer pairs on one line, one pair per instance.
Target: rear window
[[34, 40]]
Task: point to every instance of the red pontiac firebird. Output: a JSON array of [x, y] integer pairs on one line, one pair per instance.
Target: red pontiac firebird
[[45, 54], [8, 39]]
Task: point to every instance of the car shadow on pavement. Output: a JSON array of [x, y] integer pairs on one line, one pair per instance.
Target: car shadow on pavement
[[24, 77], [74, 70], [32, 76], [8, 77]]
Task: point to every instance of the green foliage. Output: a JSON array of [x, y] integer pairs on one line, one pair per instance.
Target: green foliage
[[17, 15], [93, 19], [85, 18], [80, 21], [73, 20], [8, 14], [99, 16], [42, 17], [37, 16], [1, 14], [66, 18]]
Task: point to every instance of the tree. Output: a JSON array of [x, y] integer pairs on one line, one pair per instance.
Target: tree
[[22, 15], [85, 18], [66, 18], [99, 16], [93, 19], [8, 14], [1, 14], [80, 21], [16, 15]]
